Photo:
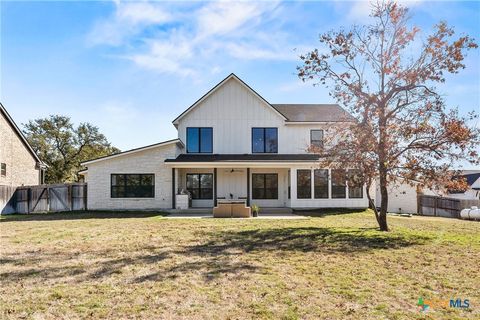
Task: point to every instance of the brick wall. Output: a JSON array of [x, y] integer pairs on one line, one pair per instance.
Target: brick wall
[[20, 162], [148, 161]]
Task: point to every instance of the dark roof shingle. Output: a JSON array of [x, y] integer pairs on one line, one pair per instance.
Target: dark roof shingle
[[314, 112]]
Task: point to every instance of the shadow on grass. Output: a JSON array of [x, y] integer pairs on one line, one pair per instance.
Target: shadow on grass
[[79, 215], [215, 256], [322, 212], [233, 253], [306, 239]]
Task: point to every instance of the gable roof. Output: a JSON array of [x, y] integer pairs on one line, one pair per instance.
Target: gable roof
[[19, 133], [230, 76], [314, 112], [155, 145], [471, 178]]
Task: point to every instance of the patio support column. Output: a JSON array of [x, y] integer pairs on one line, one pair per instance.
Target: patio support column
[[293, 187], [248, 187], [174, 191], [214, 187]]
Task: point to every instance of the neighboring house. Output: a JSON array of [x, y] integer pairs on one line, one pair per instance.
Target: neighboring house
[[232, 144], [19, 164], [402, 197], [473, 192]]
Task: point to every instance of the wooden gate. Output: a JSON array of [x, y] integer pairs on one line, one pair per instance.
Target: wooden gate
[[51, 198]]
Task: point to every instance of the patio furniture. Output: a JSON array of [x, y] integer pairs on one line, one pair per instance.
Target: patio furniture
[[231, 209]]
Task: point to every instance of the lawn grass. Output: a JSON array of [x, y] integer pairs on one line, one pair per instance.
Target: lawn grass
[[338, 266]]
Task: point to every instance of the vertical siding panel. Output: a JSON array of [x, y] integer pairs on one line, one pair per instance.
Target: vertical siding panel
[[232, 110]]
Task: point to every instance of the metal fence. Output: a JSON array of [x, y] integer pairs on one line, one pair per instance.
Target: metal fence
[[44, 198], [443, 207]]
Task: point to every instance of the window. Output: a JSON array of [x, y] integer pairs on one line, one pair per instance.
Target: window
[[264, 186], [355, 184], [132, 186], [3, 170], [316, 138], [264, 140], [199, 140], [339, 186], [304, 184], [200, 185], [320, 183]]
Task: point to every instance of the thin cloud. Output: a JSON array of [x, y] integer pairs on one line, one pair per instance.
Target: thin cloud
[[189, 40], [129, 19]]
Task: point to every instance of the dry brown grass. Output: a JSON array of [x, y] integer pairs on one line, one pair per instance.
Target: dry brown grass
[[145, 266]]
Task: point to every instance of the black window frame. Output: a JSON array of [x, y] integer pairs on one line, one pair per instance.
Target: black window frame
[[338, 186], [315, 196], [199, 129], [264, 139], [3, 169], [200, 193], [309, 185], [311, 138], [350, 184], [265, 186], [127, 189]]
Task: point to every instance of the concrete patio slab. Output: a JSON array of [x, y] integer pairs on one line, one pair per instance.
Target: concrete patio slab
[[208, 215]]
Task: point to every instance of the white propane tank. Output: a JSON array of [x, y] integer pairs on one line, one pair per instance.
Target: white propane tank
[[474, 213], [464, 214]]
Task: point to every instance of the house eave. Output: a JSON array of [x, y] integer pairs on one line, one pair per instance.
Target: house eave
[[19, 133], [140, 149]]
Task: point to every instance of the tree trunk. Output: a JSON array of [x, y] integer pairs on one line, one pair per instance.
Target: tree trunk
[[371, 204], [382, 217], [382, 170]]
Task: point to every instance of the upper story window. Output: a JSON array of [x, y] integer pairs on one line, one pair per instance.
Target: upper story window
[[316, 138], [3, 170], [264, 140], [132, 186], [199, 140]]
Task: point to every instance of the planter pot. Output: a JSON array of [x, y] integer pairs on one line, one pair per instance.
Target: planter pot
[[255, 214]]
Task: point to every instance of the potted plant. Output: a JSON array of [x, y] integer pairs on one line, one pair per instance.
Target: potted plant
[[255, 210]]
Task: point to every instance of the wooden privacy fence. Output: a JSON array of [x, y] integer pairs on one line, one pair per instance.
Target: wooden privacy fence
[[6, 195], [49, 198], [443, 207]]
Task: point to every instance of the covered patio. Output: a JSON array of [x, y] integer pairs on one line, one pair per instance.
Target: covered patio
[[263, 180]]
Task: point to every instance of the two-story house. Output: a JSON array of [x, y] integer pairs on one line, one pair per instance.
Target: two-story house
[[232, 144]]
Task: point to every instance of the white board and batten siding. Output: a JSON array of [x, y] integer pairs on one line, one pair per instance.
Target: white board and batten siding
[[149, 161], [232, 111]]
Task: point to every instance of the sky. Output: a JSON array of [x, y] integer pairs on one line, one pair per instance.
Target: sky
[[131, 67]]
